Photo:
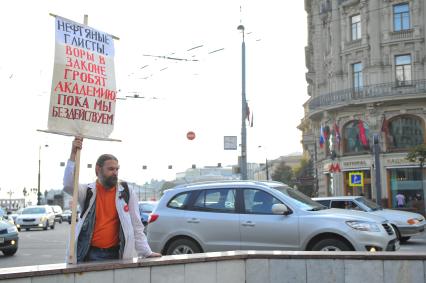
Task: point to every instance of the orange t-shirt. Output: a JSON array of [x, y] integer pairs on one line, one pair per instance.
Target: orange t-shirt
[[105, 234]]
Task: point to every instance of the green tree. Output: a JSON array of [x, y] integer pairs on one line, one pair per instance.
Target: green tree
[[304, 178], [167, 185], [283, 173], [417, 154]]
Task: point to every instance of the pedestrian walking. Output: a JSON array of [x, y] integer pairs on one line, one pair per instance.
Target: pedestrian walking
[[400, 200]]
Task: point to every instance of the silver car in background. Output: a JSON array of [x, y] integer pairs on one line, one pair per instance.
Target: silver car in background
[[406, 224], [251, 215]]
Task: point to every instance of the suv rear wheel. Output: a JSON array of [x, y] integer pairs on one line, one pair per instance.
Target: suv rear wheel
[[331, 245], [182, 246]]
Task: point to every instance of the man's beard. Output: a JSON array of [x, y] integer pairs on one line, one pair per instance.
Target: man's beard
[[109, 182]]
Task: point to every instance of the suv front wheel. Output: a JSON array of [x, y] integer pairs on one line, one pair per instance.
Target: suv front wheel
[[330, 245], [183, 246]]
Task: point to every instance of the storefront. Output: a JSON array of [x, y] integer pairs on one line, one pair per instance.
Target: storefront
[[348, 177], [405, 187]]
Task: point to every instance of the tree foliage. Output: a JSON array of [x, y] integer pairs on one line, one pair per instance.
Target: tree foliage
[[283, 173], [167, 185], [417, 154], [304, 177]]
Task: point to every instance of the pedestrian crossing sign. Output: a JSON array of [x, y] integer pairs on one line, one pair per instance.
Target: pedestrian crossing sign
[[356, 179]]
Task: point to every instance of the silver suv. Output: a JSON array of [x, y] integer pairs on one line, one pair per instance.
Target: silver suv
[[250, 215]]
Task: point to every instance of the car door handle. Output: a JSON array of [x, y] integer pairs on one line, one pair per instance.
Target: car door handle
[[248, 224], [193, 220]]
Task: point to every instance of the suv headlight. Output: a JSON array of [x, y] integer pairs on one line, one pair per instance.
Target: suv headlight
[[12, 229], [363, 226]]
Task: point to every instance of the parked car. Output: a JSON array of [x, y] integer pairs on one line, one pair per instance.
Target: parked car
[[406, 224], [58, 213], [145, 209], [251, 215], [38, 216], [8, 237]]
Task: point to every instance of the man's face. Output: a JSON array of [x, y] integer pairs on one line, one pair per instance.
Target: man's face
[[108, 174]]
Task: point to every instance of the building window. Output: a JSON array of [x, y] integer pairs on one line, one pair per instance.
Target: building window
[[357, 76], [403, 69], [356, 27], [405, 132], [356, 137], [401, 17]]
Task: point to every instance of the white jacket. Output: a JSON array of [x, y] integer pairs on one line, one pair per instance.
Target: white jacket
[[136, 241]]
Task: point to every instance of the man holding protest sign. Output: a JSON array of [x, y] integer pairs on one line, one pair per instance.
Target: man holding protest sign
[[110, 226]]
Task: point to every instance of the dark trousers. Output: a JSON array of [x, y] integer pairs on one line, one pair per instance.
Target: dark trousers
[[99, 254]]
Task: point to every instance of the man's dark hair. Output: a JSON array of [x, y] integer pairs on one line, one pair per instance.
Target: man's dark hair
[[104, 157]]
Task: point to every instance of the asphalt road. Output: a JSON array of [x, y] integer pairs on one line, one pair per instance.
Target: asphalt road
[[49, 247], [39, 247]]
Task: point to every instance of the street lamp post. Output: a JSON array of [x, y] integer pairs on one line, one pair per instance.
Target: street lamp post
[[376, 150], [266, 163], [10, 198], [25, 193], [39, 174], [243, 108]]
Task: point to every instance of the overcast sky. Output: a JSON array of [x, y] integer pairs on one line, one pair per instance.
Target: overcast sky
[[203, 95]]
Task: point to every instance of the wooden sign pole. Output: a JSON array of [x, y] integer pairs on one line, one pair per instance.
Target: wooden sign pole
[[72, 255]]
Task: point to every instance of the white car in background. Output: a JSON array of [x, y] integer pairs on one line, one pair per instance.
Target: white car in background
[[15, 214], [38, 216], [406, 224]]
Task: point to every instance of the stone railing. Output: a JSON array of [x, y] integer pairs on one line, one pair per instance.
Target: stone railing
[[403, 34], [236, 267], [368, 93]]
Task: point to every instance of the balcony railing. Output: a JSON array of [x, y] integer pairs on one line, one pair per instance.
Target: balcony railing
[[367, 93], [402, 34]]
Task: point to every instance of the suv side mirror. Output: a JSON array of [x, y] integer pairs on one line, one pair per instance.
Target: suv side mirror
[[280, 208]]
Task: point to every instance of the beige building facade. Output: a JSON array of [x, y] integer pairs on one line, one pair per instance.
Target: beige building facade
[[366, 62]]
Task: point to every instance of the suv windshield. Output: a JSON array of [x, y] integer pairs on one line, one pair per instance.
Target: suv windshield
[[34, 210], [301, 199], [372, 206]]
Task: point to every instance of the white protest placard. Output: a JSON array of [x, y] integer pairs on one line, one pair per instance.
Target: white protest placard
[[83, 94]]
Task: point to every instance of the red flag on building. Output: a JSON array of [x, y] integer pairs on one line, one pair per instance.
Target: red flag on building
[[362, 136], [336, 133], [385, 126]]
